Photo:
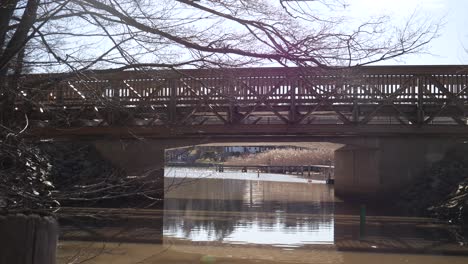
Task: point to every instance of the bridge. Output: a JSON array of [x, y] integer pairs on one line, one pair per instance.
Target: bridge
[[377, 99], [394, 120]]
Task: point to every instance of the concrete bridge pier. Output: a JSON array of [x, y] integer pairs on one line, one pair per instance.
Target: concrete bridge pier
[[380, 167]]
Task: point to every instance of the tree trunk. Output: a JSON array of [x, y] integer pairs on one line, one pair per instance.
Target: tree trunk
[[28, 239]]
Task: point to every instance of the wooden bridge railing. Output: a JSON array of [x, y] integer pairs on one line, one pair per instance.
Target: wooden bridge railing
[[407, 94]]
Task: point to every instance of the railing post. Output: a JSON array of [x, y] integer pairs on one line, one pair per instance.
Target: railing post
[[112, 116], [420, 112], [231, 110], [355, 112], [233, 114], [293, 82], [59, 91], [172, 101], [115, 88]]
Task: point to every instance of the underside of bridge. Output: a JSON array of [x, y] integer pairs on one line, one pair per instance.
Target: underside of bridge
[[364, 166]]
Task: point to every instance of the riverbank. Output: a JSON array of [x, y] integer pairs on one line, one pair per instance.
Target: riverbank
[[169, 252], [443, 190], [81, 176]]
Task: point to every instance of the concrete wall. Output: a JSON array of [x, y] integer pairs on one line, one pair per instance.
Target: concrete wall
[[384, 166], [404, 159]]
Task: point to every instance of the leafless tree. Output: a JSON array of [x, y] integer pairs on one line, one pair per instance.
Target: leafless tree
[[76, 37]]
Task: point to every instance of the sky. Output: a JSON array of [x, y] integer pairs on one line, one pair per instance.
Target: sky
[[448, 48]]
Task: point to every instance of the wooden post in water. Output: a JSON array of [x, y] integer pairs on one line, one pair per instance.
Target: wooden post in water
[[362, 222], [28, 239]]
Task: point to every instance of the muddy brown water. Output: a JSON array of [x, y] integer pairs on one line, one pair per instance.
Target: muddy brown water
[[242, 218]]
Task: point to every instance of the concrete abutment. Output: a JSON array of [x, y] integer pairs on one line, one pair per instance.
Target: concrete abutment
[[387, 165]]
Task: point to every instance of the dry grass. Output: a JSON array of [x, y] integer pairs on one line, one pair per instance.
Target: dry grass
[[285, 157]]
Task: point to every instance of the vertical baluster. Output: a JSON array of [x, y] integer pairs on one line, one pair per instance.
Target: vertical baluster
[[60, 94]]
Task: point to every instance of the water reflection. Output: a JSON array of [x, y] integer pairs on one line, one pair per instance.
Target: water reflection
[[289, 211], [252, 210], [251, 219]]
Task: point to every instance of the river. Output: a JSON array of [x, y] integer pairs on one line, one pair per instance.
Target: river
[[234, 217]]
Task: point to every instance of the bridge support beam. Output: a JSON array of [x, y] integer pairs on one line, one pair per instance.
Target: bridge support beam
[[385, 166]]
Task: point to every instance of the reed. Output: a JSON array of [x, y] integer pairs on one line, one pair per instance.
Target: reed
[[285, 157]]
